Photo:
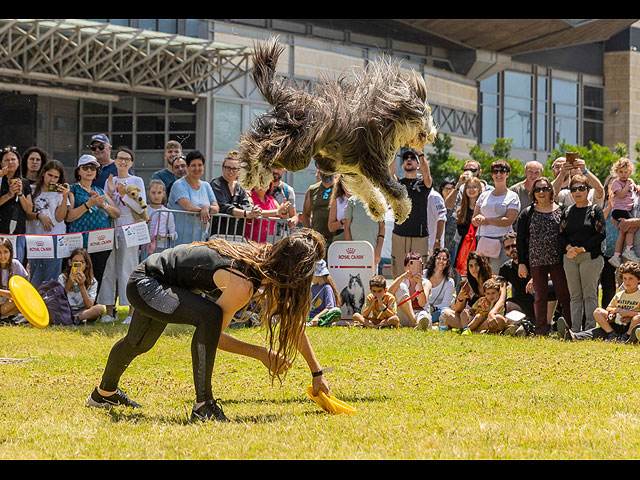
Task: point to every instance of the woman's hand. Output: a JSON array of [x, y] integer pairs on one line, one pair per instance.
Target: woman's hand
[[111, 187], [318, 384], [205, 214], [479, 220], [274, 362], [15, 186], [46, 222]]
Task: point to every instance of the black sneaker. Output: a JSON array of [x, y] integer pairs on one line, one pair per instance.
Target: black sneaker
[[611, 337], [625, 338], [209, 411], [564, 332], [118, 398]]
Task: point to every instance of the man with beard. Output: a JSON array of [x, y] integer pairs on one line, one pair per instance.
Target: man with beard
[[315, 211], [168, 175], [413, 234]]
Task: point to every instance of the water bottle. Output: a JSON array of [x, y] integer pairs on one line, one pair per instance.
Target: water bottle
[[442, 326]]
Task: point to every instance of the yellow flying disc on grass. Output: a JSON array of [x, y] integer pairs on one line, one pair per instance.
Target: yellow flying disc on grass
[[329, 403], [29, 301]]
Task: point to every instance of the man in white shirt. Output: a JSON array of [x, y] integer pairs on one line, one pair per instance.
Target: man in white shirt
[[436, 220]]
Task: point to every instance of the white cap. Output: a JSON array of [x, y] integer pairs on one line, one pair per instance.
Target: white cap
[[85, 159]]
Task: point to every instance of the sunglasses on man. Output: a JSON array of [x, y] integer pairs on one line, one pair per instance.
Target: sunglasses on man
[[499, 170], [93, 148]]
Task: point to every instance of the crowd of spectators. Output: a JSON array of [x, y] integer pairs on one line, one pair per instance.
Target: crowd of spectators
[[473, 256]]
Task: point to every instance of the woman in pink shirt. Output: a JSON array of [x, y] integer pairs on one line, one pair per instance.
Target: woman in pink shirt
[[258, 229]]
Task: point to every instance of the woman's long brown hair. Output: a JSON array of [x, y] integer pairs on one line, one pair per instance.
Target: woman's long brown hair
[[284, 298], [461, 214]]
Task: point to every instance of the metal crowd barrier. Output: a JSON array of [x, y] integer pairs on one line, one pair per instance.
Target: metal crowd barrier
[[181, 227]]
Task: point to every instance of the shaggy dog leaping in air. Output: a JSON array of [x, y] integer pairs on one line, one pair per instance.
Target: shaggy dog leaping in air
[[353, 126]]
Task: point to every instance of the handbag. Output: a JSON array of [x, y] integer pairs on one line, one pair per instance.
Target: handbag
[[489, 247], [467, 246]]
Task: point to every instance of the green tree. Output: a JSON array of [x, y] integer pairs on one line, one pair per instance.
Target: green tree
[[442, 163], [500, 150]]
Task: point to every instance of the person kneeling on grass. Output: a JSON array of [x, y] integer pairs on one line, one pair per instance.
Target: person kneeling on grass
[[380, 309], [486, 315], [81, 287], [621, 317]]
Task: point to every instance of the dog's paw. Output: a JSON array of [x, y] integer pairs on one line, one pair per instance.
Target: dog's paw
[[401, 210]]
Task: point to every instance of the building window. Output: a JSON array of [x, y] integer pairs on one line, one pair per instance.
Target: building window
[[538, 112], [143, 124]]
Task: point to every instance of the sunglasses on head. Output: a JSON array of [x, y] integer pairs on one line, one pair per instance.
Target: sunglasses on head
[[579, 188], [9, 149], [93, 148], [542, 189]]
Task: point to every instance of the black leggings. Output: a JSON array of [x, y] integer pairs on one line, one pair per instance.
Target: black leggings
[[157, 304]]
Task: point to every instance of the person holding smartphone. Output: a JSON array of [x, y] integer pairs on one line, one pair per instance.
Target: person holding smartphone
[[412, 292], [572, 166], [81, 287]]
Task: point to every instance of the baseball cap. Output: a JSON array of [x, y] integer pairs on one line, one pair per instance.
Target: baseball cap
[[100, 137], [85, 159], [321, 269]]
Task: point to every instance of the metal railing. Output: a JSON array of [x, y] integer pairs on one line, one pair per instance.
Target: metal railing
[[168, 228]]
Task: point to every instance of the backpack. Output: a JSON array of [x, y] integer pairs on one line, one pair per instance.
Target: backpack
[[55, 297]]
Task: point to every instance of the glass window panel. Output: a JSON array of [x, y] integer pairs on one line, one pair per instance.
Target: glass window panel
[[182, 122], [489, 84], [517, 84], [95, 107], [489, 99], [593, 97], [65, 124], [192, 27], [95, 124], [181, 105], [565, 129], [124, 105], [122, 140], [123, 22], [565, 110], [517, 125], [565, 92], [147, 23], [489, 124], [150, 123], [542, 107], [122, 123], [148, 105], [150, 141], [593, 132], [542, 89], [187, 140], [593, 114], [517, 103], [153, 160], [541, 133], [227, 125], [167, 25]]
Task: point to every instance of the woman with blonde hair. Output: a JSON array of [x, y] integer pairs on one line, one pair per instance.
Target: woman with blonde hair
[[276, 277]]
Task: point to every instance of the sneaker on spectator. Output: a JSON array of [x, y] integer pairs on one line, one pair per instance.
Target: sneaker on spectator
[[626, 338], [18, 319], [615, 261], [107, 319], [612, 337], [127, 320], [564, 332], [630, 255]]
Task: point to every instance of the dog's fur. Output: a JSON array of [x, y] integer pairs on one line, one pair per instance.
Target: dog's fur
[[353, 126]]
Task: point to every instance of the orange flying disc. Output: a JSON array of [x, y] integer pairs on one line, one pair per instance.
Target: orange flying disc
[[329, 403], [29, 301]]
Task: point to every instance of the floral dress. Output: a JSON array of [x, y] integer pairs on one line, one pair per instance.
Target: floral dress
[[544, 243]]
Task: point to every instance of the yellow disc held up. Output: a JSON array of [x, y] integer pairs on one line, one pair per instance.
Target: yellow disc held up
[[330, 404], [29, 301]]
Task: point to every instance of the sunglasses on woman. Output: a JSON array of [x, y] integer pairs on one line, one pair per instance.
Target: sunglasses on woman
[[541, 189], [89, 167], [499, 170], [579, 188]]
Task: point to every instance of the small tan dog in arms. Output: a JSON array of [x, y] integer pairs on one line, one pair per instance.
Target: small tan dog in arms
[[354, 125]]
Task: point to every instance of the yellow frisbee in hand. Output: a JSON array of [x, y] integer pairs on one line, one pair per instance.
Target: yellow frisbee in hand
[[29, 301], [329, 403]]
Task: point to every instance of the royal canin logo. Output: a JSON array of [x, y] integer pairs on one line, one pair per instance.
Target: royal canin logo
[[351, 250]]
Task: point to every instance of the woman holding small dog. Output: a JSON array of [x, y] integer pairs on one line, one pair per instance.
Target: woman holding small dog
[[123, 259]]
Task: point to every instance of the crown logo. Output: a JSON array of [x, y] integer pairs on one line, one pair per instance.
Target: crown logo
[[351, 250]]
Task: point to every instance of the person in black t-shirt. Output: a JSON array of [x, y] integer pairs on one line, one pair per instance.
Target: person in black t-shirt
[[168, 286], [412, 235], [521, 298]]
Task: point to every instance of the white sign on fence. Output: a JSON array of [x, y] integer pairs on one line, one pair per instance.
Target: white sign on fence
[[136, 234], [100, 240], [68, 243], [351, 265], [40, 246]]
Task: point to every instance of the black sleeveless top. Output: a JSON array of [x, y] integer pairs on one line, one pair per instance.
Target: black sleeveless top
[[193, 267]]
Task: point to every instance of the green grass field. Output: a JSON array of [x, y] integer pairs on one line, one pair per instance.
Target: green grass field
[[419, 395]]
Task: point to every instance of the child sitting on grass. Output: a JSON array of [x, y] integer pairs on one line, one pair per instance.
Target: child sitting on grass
[[81, 287], [621, 317], [487, 313], [380, 308], [325, 301], [9, 267]]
